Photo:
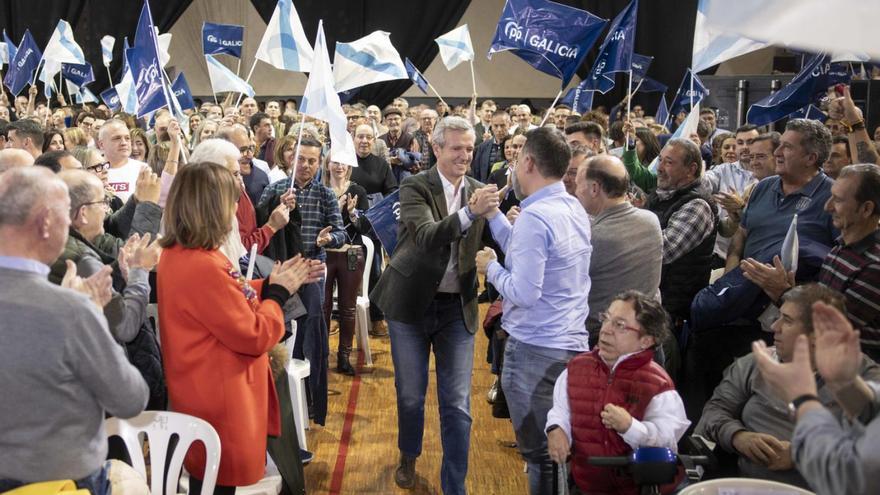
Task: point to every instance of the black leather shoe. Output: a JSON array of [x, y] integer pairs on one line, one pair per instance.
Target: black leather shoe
[[405, 475], [343, 365]]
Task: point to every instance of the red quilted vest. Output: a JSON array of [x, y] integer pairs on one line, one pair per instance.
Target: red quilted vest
[[591, 385]]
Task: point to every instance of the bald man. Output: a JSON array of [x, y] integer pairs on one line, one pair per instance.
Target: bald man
[[14, 157], [627, 241]]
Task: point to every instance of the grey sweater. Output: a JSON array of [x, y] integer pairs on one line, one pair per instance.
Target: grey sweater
[[627, 254], [60, 371], [743, 401]]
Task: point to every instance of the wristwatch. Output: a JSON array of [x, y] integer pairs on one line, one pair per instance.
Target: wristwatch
[[798, 402]]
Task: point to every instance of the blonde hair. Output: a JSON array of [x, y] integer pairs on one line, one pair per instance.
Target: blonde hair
[[200, 207], [325, 176], [74, 136]]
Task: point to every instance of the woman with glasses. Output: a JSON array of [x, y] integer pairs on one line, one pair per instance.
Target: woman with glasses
[[93, 161], [345, 264], [615, 398]]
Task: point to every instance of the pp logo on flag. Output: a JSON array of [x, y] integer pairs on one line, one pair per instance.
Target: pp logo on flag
[[395, 209]]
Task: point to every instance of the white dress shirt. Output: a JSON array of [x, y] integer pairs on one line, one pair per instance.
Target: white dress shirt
[[664, 423], [454, 205]]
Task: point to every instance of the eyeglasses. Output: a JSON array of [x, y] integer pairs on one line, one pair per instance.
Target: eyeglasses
[[618, 325], [101, 167], [247, 149], [106, 202]]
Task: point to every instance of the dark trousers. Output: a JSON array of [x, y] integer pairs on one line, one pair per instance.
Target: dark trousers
[[348, 282], [376, 314], [312, 343]]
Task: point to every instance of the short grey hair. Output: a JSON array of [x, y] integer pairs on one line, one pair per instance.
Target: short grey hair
[[691, 153], [24, 190], [452, 124], [815, 138], [80, 187], [869, 183], [105, 129], [215, 150], [14, 157]]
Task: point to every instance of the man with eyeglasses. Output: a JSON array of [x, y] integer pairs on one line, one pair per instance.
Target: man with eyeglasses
[[254, 172], [636, 400], [115, 141]]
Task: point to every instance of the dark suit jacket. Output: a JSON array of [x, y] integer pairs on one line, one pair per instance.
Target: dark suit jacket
[[426, 231], [480, 165]]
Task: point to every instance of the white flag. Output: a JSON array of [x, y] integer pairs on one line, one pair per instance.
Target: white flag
[[807, 24], [284, 44], [62, 47], [455, 47], [107, 43], [713, 46], [365, 61], [321, 101], [223, 79], [790, 247]]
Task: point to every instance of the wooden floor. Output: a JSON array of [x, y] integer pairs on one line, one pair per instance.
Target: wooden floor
[[365, 463]]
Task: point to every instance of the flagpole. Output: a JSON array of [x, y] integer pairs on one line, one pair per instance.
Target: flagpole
[[473, 79], [692, 92], [435, 92], [629, 93], [247, 80], [109, 76], [302, 123], [37, 72], [547, 114]]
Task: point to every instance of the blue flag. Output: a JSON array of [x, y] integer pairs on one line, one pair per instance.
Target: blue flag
[[347, 95], [415, 76], [615, 54], [222, 38], [639, 65], [682, 100], [812, 80], [23, 65], [579, 99], [662, 115], [146, 70], [111, 98], [79, 74], [384, 217], [181, 91], [811, 112], [550, 37], [11, 49]]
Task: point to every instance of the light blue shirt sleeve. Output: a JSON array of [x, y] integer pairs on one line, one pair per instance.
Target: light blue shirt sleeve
[[526, 255], [500, 228]]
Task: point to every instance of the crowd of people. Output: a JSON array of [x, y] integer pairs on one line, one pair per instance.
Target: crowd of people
[[634, 282]]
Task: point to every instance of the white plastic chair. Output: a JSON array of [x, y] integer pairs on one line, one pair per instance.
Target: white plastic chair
[[298, 370], [159, 426], [362, 307], [743, 485], [153, 312]]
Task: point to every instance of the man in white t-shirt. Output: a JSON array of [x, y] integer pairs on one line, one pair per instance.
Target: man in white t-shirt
[[115, 141]]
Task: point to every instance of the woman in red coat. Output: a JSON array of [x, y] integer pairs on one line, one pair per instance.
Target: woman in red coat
[[217, 327]]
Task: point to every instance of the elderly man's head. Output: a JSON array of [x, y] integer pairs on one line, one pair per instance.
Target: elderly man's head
[[804, 147], [427, 120], [363, 140], [854, 204], [601, 180], [796, 316], [374, 113], [523, 116], [220, 151], [34, 214], [13, 158], [88, 202], [680, 164]]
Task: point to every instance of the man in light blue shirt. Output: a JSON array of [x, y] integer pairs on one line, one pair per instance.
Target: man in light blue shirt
[[544, 283]]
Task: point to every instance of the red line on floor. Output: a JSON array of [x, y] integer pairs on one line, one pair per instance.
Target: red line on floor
[[345, 438]]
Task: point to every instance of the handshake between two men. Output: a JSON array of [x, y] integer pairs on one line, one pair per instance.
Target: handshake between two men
[[484, 202]]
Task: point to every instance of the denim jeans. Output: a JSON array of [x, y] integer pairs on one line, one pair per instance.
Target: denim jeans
[[443, 329], [97, 483], [528, 377]]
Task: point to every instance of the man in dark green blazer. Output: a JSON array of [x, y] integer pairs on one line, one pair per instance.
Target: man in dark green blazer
[[429, 296]]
